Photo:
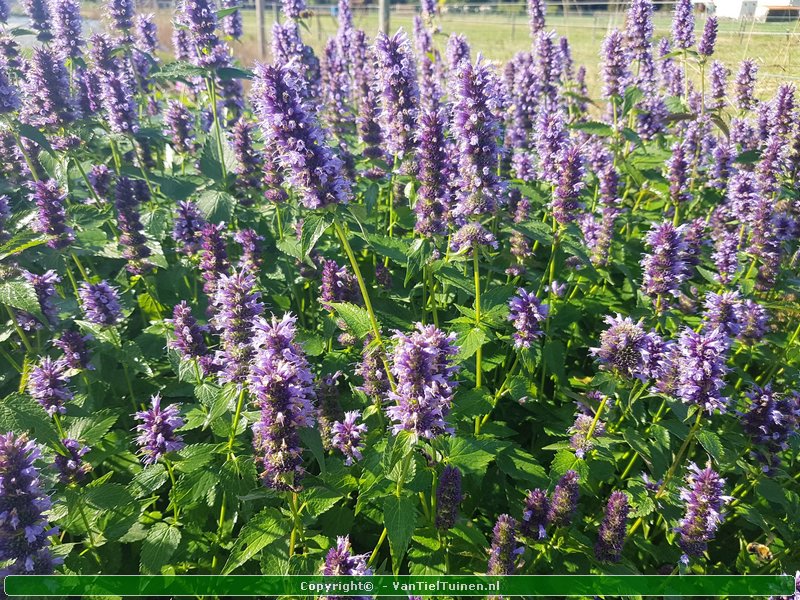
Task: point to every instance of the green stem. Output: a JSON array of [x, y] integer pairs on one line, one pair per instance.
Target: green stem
[[171, 472], [376, 331], [212, 90], [86, 181], [479, 351], [235, 424], [377, 548], [25, 341]]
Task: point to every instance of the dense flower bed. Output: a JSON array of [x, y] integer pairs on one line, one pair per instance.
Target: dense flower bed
[[393, 309]]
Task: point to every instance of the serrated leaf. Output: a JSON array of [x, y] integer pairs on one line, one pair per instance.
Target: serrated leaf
[[148, 480], [159, 546], [356, 318], [216, 206], [469, 454], [211, 162], [593, 127], [20, 294], [468, 343], [399, 518], [22, 414], [90, 430], [712, 444], [260, 531], [314, 226]]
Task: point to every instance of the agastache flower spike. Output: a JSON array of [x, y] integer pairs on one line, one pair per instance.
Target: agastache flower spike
[[664, 268], [100, 303], [132, 238], [457, 52], [250, 241], [39, 13], [470, 236], [722, 310], [611, 536], [214, 257], [701, 369], [753, 321], [448, 497], [583, 436], [121, 13], [237, 307], [504, 551], [189, 339], [310, 165], [73, 345], [71, 467], [47, 384], [44, 286], [67, 28], [396, 84], [476, 129], [535, 514], [156, 431], [570, 183], [338, 284], [340, 560], [536, 16], [564, 500], [179, 124], [709, 38], [46, 88], [52, 216], [704, 500], [187, 226], [639, 27], [614, 65], [9, 96], [422, 363], [770, 421], [683, 24], [232, 24], [24, 530], [282, 383], [347, 436], [745, 84], [526, 312], [433, 195]]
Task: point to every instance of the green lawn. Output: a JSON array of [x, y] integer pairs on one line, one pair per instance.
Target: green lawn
[[498, 36]]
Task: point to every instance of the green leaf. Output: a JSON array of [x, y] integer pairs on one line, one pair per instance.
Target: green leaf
[[712, 444], [314, 226], [159, 546], [468, 343], [748, 157], [396, 449], [211, 162], [356, 318], [216, 206], [231, 73], [148, 480], [469, 454], [33, 134], [521, 466], [399, 518], [260, 531], [22, 414], [90, 430], [20, 294], [594, 128]]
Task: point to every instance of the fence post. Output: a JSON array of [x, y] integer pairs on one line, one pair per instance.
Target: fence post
[[383, 16], [262, 47]]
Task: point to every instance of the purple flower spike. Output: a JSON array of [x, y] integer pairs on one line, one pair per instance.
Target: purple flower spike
[[24, 530], [214, 257], [581, 442], [770, 421], [564, 500], [536, 16], [121, 13], [639, 27], [156, 431], [745, 85], [52, 216], [448, 497], [396, 85], [664, 268], [73, 345], [188, 226], [505, 550], [47, 91], [179, 124], [283, 385], [613, 529], [709, 38], [422, 364], [338, 284], [753, 321], [132, 238], [9, 96], [535, 515], [47, 385], [372, 370], [67, 28], [683, 24], [340, 560], [44, 286], [570, 183], [722, 311], [310, 165], [476, 129], [100, 303], [704, 500], [471, 236], [237, 307], [526, 312], [71, 467], [347, 436], [40, 19], [624, 346], [232, 24], [614, 65], [433, 195], [701, 369], [189, 334]]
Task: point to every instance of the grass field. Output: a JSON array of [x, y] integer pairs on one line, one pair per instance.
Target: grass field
[[776, 46]]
